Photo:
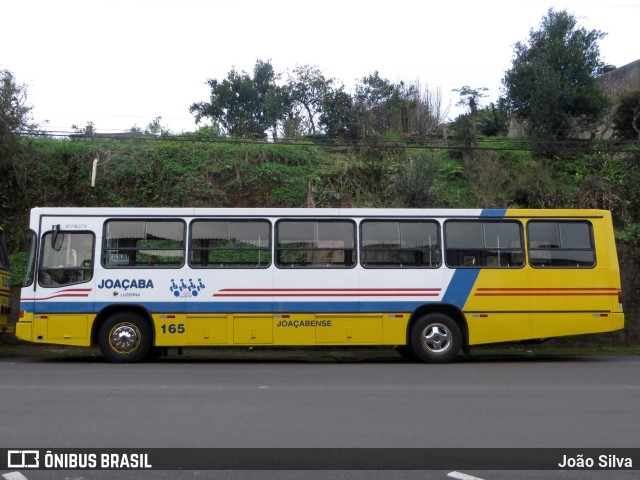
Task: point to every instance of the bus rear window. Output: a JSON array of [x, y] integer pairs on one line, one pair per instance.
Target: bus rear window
[[567, 244], [143, 244]]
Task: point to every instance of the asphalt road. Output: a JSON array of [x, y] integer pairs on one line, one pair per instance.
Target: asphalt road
[[551, 402]]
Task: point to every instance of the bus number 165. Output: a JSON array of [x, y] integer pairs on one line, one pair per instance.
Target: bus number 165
[[173, 328]]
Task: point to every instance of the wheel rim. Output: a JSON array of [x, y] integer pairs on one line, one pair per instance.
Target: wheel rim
[[124, 338], [436, 338]]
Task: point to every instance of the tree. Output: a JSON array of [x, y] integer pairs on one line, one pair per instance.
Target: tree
[[245, 106], [15, 115], [490, 121], [307, 88], [15, 118], [337, 116], [376, 102], [626, 117], [493, 120], [421, 110], [468, 124], [551, 85]]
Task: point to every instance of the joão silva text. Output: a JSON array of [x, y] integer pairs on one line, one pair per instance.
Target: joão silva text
[[604, 461]]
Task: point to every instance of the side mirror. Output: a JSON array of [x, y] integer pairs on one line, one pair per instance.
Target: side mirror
[[57, 238]]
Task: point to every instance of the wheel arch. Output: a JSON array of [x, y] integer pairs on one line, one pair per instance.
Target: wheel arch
[[109, 310], [447, 309]]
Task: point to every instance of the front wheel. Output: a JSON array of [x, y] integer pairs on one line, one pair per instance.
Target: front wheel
[[125, 337], [436, 338]]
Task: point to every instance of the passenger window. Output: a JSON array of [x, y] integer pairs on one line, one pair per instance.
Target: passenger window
[[143, 244], [315, 244], [400, 244], [69, 261], [566, 244], [477, 243], [230, 244]]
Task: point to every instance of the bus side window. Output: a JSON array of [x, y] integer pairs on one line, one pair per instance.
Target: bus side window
[[400, 244], [142, 243], [222, 243], [315, 244], [484, 243]]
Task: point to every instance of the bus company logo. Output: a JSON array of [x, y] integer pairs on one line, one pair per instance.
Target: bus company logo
[[187, 288], [23, 459], [126, 284]]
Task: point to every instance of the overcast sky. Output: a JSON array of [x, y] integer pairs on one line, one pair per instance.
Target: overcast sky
[[119, 63]]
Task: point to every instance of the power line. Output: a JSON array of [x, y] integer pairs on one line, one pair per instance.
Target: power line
[[424, 143]]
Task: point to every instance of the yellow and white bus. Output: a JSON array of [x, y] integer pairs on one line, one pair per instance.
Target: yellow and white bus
[[5, 287], [433, 282]]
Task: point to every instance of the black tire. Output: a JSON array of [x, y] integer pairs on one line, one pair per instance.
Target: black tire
[[407, 352], [153, 354], [436, 338], [125, 337]]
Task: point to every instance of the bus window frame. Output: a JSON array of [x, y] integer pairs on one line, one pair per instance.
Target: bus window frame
[[439, 249], [483, 251], [558, 221], [277, 250], [269, 248], [67, 234], [104, 249]]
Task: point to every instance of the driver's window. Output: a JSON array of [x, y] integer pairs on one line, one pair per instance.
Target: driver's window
[[67, 261]]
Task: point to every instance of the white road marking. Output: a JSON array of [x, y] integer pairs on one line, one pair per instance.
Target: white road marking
[[462, 476], [14, 476]]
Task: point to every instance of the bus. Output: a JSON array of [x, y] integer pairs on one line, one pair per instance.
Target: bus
[[432, 283], [5, 287]]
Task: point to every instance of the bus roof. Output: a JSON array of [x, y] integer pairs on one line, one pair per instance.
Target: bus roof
[[310, 212]]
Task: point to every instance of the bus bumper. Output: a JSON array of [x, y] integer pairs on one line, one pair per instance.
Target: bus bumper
[[24, 331], [618, 321]]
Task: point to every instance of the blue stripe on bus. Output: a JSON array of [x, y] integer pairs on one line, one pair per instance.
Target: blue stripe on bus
[[464, 279], [493, 212], [460, 286], [236, 307]]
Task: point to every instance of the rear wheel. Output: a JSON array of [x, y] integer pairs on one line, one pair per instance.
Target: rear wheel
[[125, 337], [436, 338]]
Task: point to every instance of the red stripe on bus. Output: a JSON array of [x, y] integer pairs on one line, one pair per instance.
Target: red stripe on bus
[[326, 294], [547, 289], [331, 290], [543, 292]]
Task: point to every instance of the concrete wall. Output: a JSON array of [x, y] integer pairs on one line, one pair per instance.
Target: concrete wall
[[620, 80]]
